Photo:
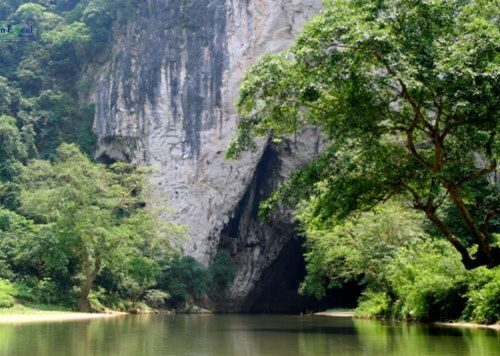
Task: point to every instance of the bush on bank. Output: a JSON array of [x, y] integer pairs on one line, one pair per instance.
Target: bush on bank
[[430, 284]]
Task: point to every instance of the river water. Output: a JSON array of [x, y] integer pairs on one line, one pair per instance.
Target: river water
[[251, 335]]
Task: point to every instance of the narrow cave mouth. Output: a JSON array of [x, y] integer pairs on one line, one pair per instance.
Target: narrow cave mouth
[[277, 290], [252, 240]]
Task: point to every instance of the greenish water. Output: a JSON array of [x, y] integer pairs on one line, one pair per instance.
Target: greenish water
[[220, 335]]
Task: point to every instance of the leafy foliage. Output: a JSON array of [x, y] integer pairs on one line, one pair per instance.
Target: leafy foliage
[[428, 282], [484, 297], [407, 274], [156, 298], [359, 249], [20, 247], [407, 94], [92, 218], [183, 278], [373, 304], [39, 74], [15, 148], [222, 272], [6, 292]]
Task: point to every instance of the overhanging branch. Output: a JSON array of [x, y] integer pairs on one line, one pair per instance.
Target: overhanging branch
[[486, 170]]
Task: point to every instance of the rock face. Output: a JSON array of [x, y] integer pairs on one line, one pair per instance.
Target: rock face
[[166, 99]]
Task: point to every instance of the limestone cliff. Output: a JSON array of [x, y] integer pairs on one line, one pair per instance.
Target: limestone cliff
[[166, 99]]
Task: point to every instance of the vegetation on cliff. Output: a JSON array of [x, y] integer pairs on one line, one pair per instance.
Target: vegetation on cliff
[[407, 94], [74, 232]]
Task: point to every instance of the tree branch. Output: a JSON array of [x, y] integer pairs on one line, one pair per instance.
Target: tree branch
[[486, 220], [430, 199], [482, 241], [418, 201], [486, 170], [410, 144], [468, 262], [430, 212]]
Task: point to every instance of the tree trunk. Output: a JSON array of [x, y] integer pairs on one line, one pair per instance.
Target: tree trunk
[[83, 303], [90, 275]]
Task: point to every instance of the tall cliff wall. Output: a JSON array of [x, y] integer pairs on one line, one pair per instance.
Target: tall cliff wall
[[167, 98]]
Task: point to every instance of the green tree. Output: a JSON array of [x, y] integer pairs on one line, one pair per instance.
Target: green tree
[[15, 232], [31, 13], [483, 304], [358, 249], [183, 277], [16, 146], [12, 148], [222, 272], [407, 92], [42, 73], [7, 96], [93, 215]]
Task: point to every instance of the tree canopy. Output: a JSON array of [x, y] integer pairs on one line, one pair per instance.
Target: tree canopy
[[95, 218], [407, 94]]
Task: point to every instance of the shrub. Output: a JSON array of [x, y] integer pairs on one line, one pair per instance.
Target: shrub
[[6, 294], [373, 305], [142, 274], [95, 300], [222, 272], [483, 304], [428, 281], [425, 281], [358, 248], [183, 278], [156, 298], [43, 291], [178, 292]]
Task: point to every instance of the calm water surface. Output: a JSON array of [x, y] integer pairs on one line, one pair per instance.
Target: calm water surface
[[221, 335]]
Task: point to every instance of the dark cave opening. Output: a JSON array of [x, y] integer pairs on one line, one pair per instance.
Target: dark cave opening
[[106, 159], [277, 290], [246, 236]]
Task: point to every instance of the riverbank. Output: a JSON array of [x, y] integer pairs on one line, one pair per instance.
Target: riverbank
[[23, 314], [457, 324], [336, 313], [468, 325]]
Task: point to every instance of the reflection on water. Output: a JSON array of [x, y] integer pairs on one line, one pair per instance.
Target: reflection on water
[[242, 335]]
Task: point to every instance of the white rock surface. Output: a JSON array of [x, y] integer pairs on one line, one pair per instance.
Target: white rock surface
[[166, 99]]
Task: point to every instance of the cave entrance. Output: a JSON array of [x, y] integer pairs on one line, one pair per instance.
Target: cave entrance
[[252, 242], [277, 290]]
